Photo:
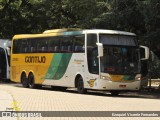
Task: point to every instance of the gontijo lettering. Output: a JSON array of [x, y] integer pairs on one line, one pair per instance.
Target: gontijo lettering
[[35, 59]]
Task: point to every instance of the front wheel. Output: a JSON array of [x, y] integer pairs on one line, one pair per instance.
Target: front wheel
[[80, 86]]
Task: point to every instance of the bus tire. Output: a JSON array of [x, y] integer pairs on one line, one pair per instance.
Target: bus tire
[[24, 80], [31, 81], [80, 86], [114, 93]]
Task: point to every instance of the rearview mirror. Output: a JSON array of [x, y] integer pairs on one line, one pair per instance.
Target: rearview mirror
[[100, 49], [144, 52]]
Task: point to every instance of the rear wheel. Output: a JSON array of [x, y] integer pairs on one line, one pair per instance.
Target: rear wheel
[[24, 80], [80, 86], [31, 80]]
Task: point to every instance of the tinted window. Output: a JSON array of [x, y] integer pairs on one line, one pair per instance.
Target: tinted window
[[118, 40], [2, 58], [54, 44], [78, 43], [92, 53], [66, 45], [49, 44]]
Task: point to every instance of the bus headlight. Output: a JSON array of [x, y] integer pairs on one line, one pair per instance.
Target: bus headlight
[[105, 77], [138, 78]]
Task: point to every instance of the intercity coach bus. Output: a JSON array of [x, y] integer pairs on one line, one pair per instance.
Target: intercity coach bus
[[106, 60]]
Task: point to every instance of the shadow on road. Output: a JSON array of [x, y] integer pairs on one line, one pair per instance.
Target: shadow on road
[[146, 93]]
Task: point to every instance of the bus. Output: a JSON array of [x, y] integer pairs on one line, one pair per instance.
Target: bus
[[5, 59], [105, 60]]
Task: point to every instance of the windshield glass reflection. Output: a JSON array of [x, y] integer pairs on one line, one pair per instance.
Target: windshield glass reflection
[[120, 60]]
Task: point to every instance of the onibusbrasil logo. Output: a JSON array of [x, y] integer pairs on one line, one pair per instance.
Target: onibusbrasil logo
[[13, 107], [14, 111]]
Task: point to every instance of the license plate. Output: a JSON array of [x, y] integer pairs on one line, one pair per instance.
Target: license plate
[[122, 86]]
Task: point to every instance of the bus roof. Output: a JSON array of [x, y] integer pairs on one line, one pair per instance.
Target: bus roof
[[58, 32], [33, 35], [61, 30], [90, 31], [116, 32]]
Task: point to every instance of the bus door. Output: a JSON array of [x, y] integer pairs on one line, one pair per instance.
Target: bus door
[[3, 64], [92, 59]]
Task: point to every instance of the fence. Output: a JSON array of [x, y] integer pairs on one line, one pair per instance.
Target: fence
[[154, 71]]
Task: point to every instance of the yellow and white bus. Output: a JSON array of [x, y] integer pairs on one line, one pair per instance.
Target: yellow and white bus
[[85, 59]]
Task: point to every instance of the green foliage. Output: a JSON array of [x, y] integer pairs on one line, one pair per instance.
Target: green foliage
[[78, 13], [151, 13], [34, 16], [154, 67]]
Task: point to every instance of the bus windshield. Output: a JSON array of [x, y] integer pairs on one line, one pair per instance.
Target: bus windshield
[[121, 54], [124, 40], [120, 60]]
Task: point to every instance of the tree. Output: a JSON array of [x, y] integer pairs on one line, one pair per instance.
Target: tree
[[151, 12], [8, 14], [78, 13], [34, 16]]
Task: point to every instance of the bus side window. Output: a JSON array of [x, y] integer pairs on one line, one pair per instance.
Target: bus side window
[[66, 45], [69, 48], [79, 44], [53, 44], [64, 48], [25, 50], [33, 49], [44, 49], [78, 48], [50, 49], [56, 48], [16, 48]]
